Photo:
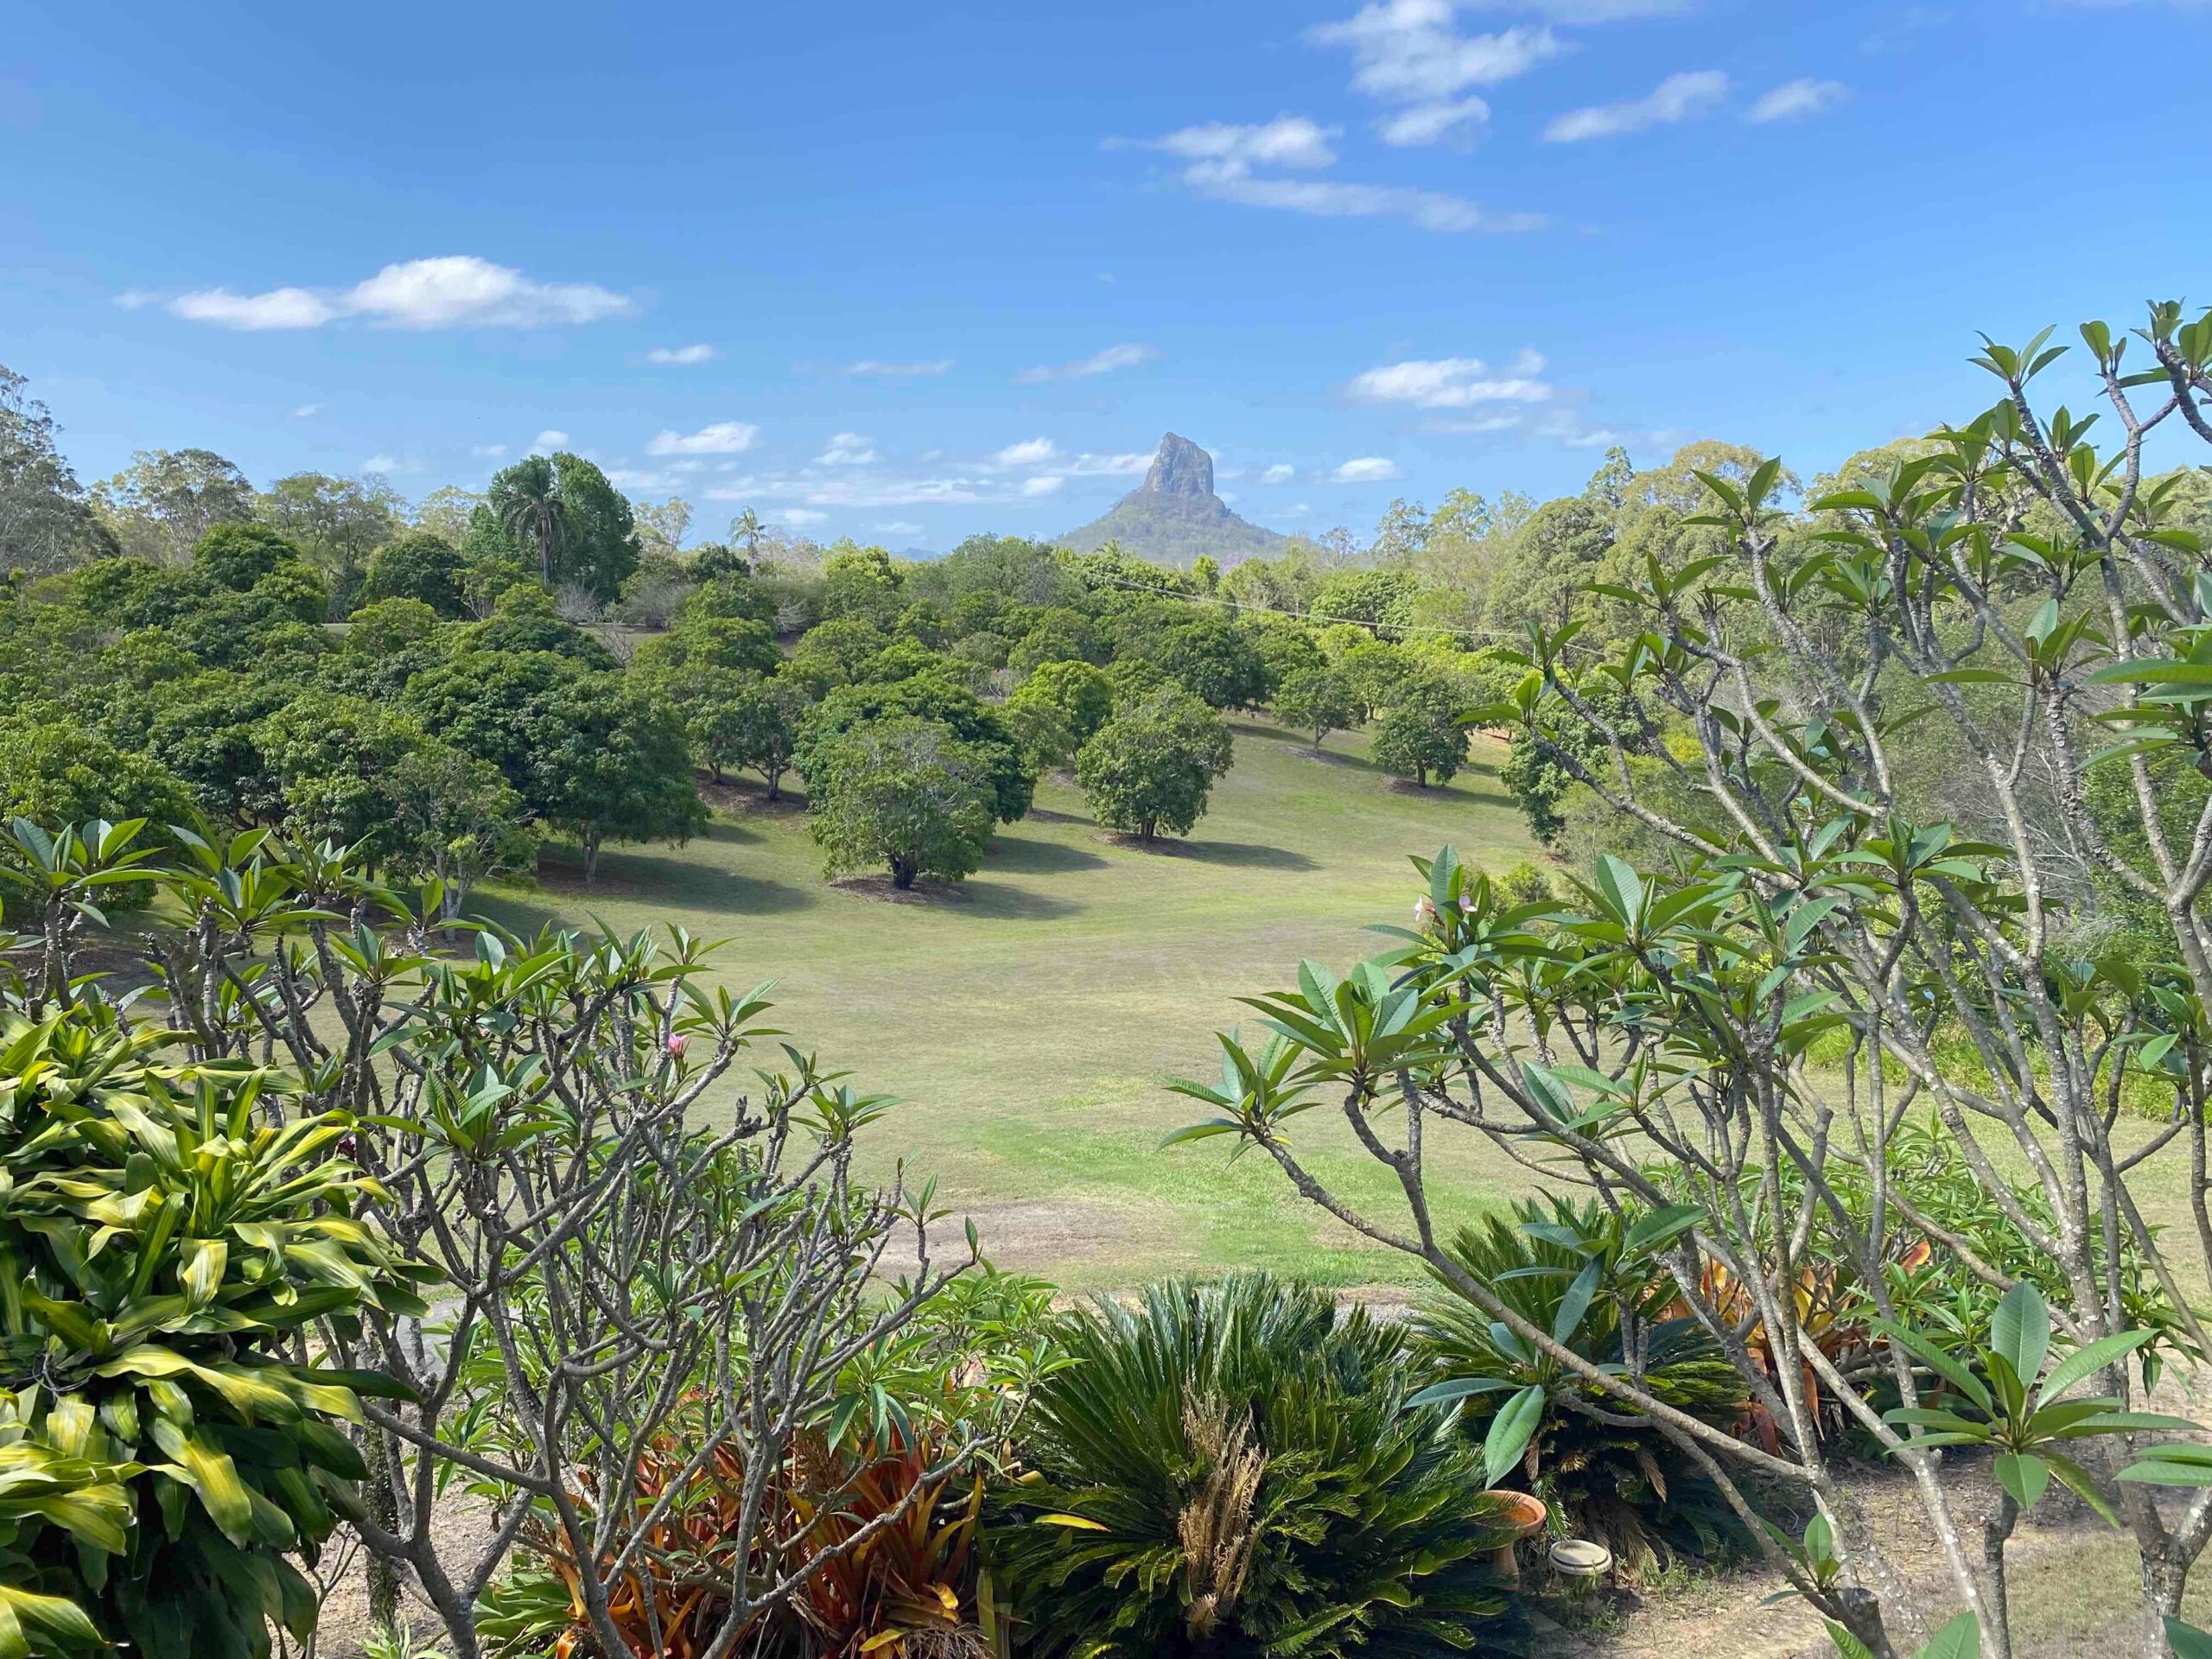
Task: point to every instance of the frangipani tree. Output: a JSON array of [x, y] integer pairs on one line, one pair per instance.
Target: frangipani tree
[[1812, 961]]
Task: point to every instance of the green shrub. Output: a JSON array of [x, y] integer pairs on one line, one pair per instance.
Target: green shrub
[[1232, 1470], [1578, 1273], [171, 1231]]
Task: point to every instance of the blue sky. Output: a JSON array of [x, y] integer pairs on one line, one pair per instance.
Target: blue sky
[[903, 271]]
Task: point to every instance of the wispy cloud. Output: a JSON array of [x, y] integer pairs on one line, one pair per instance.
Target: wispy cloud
[[307, 411], [1797, 100], [1678, 98], [381, 463], [801, 517], [1220, 162], [1429, 123], [452, 291], [681, 356], [132, 298], [1367, 469], [1586, 11], [488, 451], [550, 438], [891, 371], [1029, 452], [1105, 362], [1045, 484], [722, 438], [846, 449], [1410, 52], [1454, 382], [897, 527], [1281, 472]]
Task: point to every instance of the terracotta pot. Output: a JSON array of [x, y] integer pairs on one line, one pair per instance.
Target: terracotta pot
[[1526, 1516]]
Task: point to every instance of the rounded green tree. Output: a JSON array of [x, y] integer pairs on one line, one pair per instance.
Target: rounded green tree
[[1318, 701], [903, 792], [1421, 736], [1151, 767]]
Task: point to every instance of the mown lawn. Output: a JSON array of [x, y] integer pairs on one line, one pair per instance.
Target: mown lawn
[[1029, 1018]]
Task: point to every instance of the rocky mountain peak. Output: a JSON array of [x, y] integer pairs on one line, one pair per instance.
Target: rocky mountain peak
[[1180, 468]]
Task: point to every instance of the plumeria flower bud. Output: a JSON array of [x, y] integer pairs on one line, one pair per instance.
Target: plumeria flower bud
[[677, 1044], [1424, 911], [1466, 904]]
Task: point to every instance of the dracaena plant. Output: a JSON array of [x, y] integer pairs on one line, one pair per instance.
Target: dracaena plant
[[174, 1442]]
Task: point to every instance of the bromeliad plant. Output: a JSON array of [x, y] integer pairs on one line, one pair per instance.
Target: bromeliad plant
[[172, 1233], [1235, 1471]]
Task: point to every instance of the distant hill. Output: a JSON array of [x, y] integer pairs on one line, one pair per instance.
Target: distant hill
[[1175, 518]]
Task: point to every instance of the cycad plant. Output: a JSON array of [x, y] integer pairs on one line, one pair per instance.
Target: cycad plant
[[1594, 1280], [1232, 1471]]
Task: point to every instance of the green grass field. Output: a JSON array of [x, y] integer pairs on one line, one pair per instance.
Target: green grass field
[[1029, 1018]]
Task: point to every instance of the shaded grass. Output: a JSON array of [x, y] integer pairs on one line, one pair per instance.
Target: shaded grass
[[1030, 1018]]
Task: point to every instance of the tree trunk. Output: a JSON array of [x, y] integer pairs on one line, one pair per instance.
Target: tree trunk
[[591, 857], [1147, 829], [775, 781], [902, 873], [384, 1510]]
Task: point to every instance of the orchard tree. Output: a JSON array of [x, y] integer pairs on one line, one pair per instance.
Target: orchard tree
[[737, 719], [933, 697], [1081, 695], [1214, 659], [420, 565], [455, 820], [1316, 699], [1152, 766], [610, 762], [1421, 736], [903, 792]]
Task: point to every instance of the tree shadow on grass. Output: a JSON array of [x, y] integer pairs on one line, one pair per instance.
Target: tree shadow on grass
[[1021, 856], [666, 881], [1229, 854], [978, 896]]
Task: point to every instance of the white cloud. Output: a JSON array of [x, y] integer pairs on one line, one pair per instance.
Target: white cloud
[[631, 477], [800, 517], [1045, 484], [381, 463], [898, 371], [680, 355], [1795, 100], [1122, 466], [450, 291], [1426, 124], [1430, 210], [131, 298], [1587, 11], [550, 438], [462, 288], [1454, 382], [1220, 159], [281, 308], [897, 527], [1105, 362], [1678, 98], [846, 449], [1408, 51], [1292, 141], [722, 438], [1367, 469], [1029, 452], [1506, 421], [1281, 472], [307, 411], [488, 450]]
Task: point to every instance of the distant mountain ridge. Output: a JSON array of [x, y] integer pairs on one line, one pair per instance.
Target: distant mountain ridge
[[1175, 518]]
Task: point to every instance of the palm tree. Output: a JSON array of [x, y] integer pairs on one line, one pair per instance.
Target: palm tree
[[746, 528], [530, 511]]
